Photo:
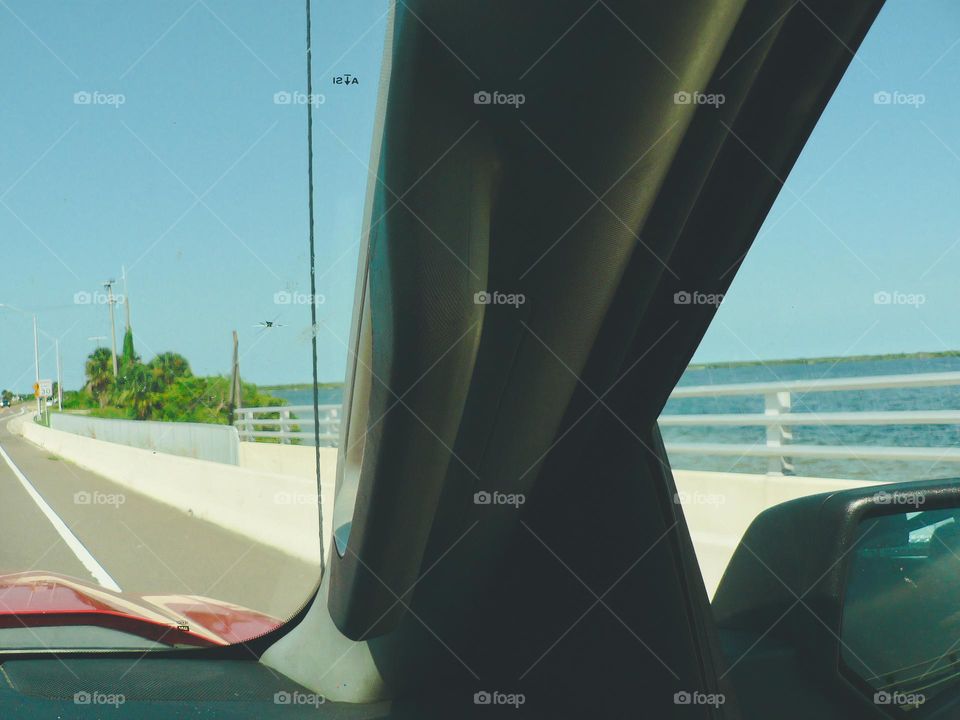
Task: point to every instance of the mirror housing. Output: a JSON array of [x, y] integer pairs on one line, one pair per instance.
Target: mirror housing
[[786, 581]]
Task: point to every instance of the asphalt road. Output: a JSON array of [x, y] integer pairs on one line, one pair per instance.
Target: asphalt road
[[74, 522]]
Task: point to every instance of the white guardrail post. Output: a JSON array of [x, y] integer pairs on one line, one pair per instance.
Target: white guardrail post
[[290, 424], [778, 420], [241, 416], [778, 403]]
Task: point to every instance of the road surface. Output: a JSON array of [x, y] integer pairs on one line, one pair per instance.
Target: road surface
[[60, 518]]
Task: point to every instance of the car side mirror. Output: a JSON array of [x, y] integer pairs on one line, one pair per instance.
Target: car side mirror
[[861, 588]]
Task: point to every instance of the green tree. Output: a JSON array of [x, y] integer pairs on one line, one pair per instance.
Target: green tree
[[129, 361], [163, 389], [141, 394], [99, 374], [197, 399], [78, 400], [206, 400], [129, 357], [168, 367]]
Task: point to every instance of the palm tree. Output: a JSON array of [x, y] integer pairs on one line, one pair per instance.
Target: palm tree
[[168, 367], [141, 394], [99, 372]]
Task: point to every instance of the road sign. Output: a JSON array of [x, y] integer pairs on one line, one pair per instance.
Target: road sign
[[44, 389]]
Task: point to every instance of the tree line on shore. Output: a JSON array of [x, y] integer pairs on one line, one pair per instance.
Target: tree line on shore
[[164, 388]]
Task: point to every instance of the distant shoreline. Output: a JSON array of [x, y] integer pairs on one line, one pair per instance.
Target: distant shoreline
[[301, 386], [833, 359], [712, 365]]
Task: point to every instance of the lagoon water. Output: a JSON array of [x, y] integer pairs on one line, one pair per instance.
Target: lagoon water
[[942, 398], [328, 396]]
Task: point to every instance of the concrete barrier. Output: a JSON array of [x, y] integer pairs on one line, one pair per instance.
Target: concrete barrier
[[271, 508], [720, 506], [271, 495], [298, 460], [202, 441]]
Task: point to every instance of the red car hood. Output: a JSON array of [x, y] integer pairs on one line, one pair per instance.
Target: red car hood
[[43, 599]]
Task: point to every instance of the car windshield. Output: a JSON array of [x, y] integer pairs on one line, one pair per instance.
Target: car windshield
[[172, 334], [833, 361]]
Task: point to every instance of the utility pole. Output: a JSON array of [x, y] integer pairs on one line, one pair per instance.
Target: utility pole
[[236, 389], [126, 295], [36, 361], [59, 379], [36, 345], [113, 326]]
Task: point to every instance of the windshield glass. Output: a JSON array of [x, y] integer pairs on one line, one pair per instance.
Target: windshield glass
[[833, 361], [159, 315]]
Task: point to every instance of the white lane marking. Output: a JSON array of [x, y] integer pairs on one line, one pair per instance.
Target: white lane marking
[[72, 541]]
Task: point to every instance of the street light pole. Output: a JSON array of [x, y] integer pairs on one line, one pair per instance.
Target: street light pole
[[36, 360], [113, 326], [59, 379], [126, 296], [36, 345], [56, 342]]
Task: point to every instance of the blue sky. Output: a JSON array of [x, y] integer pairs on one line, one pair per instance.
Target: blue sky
[[108, 185], [878, 213], [88, 188]]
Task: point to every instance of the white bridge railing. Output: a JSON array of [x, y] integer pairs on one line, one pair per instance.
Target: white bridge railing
[[779, 419], [287, 423]]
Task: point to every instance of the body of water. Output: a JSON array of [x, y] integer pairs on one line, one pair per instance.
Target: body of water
[[941, 398], [938, 398], [328, 396]]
